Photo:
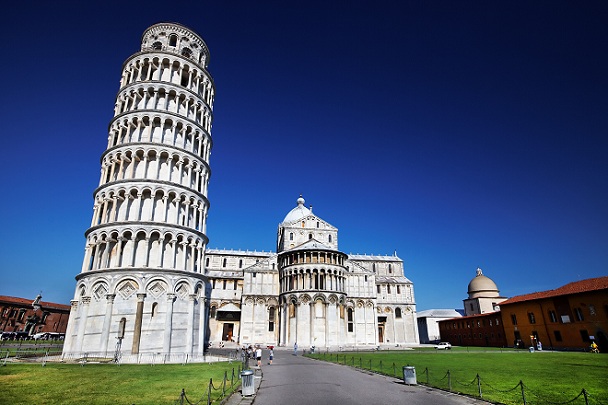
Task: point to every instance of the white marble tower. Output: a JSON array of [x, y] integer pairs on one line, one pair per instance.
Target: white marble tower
[[142, 289]]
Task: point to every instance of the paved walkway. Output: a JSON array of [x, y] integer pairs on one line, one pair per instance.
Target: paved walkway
[[298, 380]]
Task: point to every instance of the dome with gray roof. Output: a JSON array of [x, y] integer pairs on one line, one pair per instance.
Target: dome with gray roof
[[482, 286], [300, 211]]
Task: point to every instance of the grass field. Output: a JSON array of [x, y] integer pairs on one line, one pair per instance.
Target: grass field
[[548, 377], [97, 384]]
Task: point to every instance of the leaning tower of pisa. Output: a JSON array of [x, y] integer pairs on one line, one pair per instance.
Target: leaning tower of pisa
[[141, 289]]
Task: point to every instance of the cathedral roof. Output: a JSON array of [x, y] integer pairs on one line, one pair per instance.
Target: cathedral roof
[[312, 244], [438, 313], [300, 211], [373, 258], [392, 280]]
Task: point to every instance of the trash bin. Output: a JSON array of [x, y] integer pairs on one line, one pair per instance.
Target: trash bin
[[247, 386], [409, 375]]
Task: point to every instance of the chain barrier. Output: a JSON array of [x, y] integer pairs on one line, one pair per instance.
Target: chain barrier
[[222, 387], [583, 394], [467, 384], [476, 382]]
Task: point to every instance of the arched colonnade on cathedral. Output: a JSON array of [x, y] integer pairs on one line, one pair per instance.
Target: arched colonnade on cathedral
[[326, 320]]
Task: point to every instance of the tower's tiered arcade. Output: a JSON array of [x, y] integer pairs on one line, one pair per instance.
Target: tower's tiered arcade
[[142, 288]]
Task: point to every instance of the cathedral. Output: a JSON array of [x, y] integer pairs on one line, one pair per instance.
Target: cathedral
[[149, 284], [309, 292]]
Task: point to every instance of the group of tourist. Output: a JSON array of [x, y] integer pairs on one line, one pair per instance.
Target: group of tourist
[[248, 352]]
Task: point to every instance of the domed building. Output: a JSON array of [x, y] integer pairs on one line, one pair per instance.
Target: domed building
[[484, 295], [149, 285], [309, 292]]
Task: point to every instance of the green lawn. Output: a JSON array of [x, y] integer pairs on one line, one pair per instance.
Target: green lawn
[[548, 377], [96, 384]]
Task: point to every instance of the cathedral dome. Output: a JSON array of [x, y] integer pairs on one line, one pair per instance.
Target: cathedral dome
[[300, 211], [482, 286]]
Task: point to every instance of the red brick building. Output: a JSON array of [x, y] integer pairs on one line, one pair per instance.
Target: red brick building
[[32, 316], [474, 330], [568, 317]]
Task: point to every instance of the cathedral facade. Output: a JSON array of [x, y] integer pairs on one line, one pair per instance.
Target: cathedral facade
[[150, 285], [309, 292]]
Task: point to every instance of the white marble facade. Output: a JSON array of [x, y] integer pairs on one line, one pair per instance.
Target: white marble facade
[[150, 286], [141, 289], [309, 292]]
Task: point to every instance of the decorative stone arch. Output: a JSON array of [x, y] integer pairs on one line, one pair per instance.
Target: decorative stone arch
[[249, 301], [99, 289], [320, 297], [126, 287], [157, 286], [182, 289], [81, 290], [226, 303], [305, 299]]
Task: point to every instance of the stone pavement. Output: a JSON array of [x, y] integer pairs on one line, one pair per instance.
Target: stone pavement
[[237, 399], [299, 380]]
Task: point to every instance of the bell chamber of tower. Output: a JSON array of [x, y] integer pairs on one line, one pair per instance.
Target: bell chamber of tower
[[142, 285]]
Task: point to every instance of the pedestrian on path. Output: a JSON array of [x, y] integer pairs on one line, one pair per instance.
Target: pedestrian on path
[[270, 354], [295, 349], [258, 356]]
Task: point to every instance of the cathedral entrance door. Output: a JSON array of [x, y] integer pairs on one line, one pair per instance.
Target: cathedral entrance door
[[380, 334], [227, 332]]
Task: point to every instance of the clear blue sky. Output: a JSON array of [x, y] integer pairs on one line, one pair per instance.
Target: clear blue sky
[[460, 134]]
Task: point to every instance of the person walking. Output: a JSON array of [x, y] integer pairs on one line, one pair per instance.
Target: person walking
[[295, 349], [270, 354], [258, 356]]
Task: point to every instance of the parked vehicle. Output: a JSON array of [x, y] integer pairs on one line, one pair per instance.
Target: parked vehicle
[[48, 336], [14, 336], [443, 346]]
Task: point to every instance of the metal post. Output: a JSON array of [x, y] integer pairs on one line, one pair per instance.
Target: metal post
[[449, 381], [479, 386], [585, 396], [523, 394], [209, 391]]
